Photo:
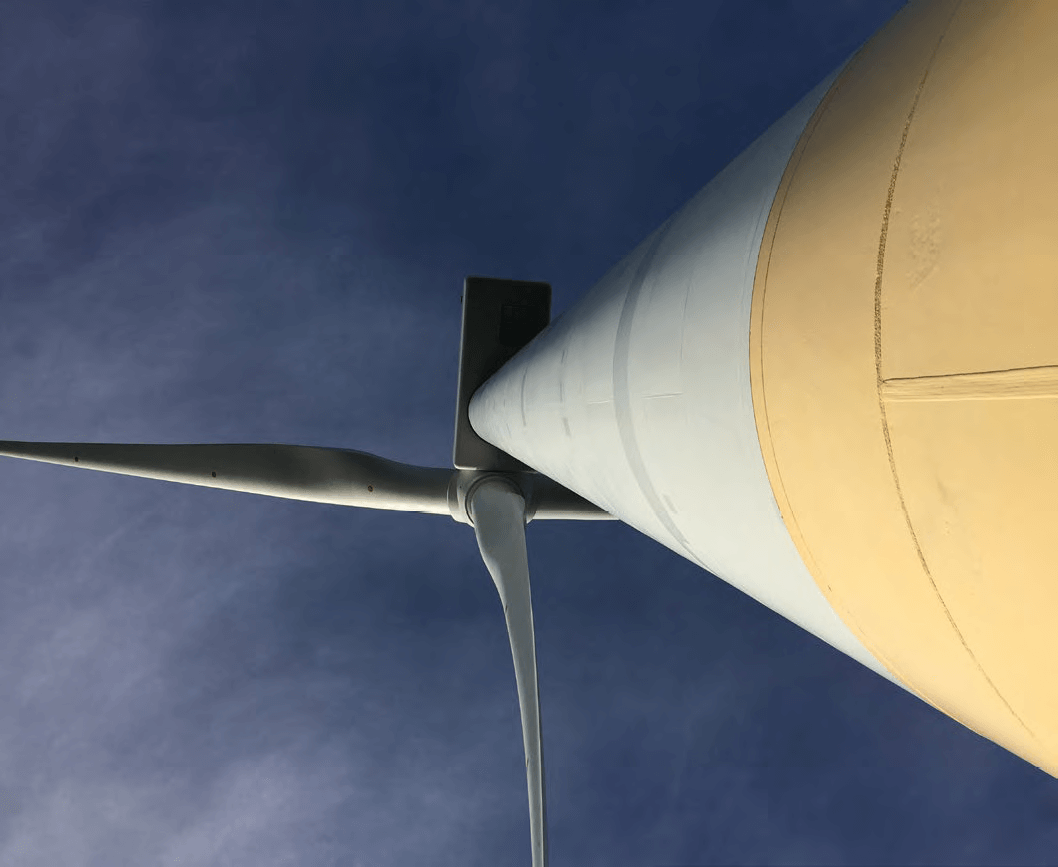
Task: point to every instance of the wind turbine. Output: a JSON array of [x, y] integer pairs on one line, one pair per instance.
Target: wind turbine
[[488, 489], [829, 379]]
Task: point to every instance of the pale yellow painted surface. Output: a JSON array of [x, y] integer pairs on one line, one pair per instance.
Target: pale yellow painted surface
[[904, 358]]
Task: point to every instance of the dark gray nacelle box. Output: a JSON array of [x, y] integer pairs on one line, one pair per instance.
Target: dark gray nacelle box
[[499, 318]]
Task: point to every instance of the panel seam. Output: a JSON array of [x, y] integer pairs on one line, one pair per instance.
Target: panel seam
[[880, 382]]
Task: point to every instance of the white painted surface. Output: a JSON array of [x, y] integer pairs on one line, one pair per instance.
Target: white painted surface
[[497, 509], [638, 398]]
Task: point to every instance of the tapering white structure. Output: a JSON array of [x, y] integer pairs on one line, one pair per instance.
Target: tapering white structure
[[497, 509], [639, 397], [831, 378]]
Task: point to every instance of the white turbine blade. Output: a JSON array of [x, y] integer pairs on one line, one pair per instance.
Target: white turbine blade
[[319, 475], [548, 500], [498, 512]]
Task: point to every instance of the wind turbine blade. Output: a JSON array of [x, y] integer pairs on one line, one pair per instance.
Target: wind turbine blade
[[498, 512], [319, 475], [548, 500]]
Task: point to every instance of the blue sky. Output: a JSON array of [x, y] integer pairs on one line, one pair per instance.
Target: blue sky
[[239, 222]]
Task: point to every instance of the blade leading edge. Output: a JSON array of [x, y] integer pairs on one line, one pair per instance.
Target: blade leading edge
[[498, 512]]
